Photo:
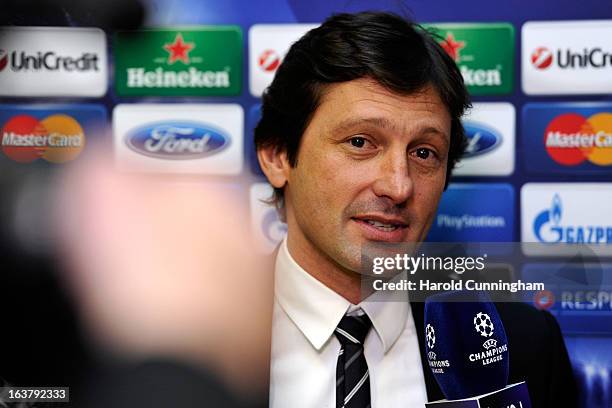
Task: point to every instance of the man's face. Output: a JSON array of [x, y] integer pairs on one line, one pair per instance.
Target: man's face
[[371, 167]]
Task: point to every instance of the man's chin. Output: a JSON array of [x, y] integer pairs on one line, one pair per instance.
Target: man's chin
[[355, 250]]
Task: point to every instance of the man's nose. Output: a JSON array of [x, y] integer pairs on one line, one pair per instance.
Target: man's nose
[[393, 180]]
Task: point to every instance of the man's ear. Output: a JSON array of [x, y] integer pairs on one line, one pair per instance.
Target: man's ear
[[273, 162]]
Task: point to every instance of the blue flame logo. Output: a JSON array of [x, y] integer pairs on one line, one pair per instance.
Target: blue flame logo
[[555, 211], [552, 214]]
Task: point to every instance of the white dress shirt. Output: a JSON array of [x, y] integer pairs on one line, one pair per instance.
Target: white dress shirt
[[305, 350]]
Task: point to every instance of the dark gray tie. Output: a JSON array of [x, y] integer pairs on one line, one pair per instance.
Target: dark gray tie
[[352, 375]]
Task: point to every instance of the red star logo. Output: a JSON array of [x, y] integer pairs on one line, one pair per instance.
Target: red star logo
[[452, 47], [179, 50]]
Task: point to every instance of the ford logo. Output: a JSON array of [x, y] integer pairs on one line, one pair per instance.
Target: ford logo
[[481, 139], [177, 140]]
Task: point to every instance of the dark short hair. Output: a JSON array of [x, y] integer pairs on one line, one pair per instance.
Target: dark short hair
[[397, 53]]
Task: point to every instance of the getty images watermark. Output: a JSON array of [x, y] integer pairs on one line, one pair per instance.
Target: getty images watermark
[[447, 264], [504, 270]]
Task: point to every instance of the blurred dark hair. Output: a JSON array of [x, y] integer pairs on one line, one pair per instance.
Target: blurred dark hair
[[397, 53], [106, 14]]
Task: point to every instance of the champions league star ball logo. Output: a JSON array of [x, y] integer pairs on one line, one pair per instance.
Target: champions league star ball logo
[[483, 324], [493, 352], [430, 335]]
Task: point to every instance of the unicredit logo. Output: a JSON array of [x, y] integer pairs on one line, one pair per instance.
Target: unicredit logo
[[542, 58], [3, 60], [269, 60], [48, 61]]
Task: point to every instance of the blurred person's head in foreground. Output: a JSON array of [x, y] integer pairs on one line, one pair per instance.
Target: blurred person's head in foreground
[[360, 131], [163, 267]]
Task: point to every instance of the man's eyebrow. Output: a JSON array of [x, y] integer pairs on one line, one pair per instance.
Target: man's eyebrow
[[383, 123], [432, 130], [351, 123]]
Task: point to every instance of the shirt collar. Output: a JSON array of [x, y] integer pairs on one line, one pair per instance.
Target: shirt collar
[[388, 312], [316, 309]]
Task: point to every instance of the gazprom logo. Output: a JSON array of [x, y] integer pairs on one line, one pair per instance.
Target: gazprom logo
[[548, 226], [177, 140], [481, 139]]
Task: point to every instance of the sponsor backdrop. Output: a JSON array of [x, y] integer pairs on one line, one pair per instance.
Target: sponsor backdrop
[[53, 61], [183, 96], [55, 133]]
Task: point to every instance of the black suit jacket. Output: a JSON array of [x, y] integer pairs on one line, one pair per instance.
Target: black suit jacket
[[536, 350], [537, 353]]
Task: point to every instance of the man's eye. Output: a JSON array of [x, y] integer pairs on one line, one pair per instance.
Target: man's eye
[[423, 153], [357, 141]]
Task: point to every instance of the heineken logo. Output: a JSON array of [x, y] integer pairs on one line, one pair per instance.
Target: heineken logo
[[191, 78], [481, 77], [452, 47], [194, 62], [178, 50], [472, 77], [484, 54]]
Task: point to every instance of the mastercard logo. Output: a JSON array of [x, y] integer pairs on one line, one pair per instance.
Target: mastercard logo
[[570, 139], [57, 138]]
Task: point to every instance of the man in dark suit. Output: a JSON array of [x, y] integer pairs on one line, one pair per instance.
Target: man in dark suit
[[360, 131]]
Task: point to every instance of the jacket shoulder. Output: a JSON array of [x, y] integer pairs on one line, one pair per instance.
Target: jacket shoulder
[[538, 355]]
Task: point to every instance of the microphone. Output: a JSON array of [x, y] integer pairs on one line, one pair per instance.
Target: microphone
[[467, 351]]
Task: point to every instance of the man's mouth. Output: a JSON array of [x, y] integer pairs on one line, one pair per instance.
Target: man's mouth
[[384, 228]]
